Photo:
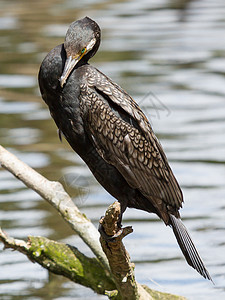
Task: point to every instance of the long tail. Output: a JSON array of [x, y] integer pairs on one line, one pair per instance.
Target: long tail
[[188, 248]]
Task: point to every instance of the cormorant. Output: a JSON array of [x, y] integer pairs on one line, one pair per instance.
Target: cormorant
[[109, 131]]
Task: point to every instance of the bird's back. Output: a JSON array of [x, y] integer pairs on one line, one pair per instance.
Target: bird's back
[[124, 138]]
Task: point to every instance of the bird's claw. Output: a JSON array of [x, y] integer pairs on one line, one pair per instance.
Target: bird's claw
[[109, 238]]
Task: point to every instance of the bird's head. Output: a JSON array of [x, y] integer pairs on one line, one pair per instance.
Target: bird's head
[[81, 43]]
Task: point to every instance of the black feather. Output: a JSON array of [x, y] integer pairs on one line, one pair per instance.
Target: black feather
[[107, 128], [188, 248]]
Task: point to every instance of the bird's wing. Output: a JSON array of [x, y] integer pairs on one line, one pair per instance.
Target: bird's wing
[[124, 138]]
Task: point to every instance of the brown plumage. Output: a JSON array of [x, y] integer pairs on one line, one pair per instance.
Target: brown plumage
[[107, 128], [124, 138]]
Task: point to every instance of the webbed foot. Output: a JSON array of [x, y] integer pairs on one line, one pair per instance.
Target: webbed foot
[[109, 238]]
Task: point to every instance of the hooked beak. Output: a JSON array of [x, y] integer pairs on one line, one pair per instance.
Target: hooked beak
[[69, 65]]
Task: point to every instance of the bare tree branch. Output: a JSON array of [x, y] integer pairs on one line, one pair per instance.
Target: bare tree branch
[[63, 260], [67, 260], [119, 260], [118, 257], [55, 194]]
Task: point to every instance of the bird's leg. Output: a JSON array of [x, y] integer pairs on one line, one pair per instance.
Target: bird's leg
[[123, 206]]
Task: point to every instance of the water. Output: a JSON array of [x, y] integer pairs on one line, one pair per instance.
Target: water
[[169, 55]]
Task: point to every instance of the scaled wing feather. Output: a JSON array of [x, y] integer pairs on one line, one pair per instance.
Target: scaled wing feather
[[133, 150]]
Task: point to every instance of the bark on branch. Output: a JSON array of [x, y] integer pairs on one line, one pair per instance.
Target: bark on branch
[[119, 259]]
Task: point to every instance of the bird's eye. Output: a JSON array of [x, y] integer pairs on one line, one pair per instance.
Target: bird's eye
[[83, 50]]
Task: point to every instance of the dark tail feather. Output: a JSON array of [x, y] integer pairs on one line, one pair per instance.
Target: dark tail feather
[[188, 248]]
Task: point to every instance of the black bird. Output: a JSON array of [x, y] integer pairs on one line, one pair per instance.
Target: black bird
[[109, 131]]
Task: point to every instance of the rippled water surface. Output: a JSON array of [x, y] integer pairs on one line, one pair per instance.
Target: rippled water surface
[[170, 56]]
